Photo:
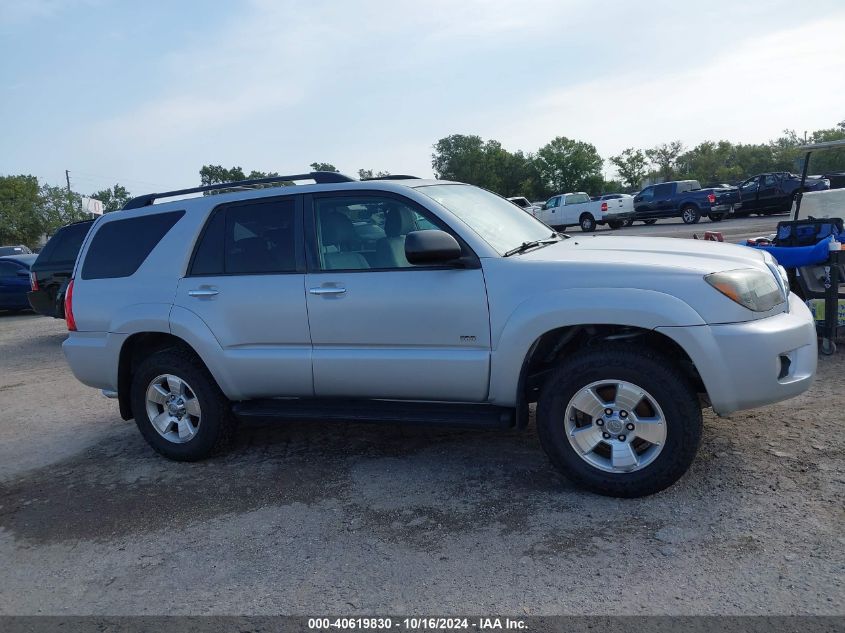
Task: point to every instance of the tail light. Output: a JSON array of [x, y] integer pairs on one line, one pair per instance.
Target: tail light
[[604, 207], [71, 322], [711, 197], [33, 281]]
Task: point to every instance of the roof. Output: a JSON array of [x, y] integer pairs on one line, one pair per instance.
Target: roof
[[815, 147]]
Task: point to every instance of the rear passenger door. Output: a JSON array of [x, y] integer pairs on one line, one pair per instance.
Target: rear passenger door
[[382, 327], [246, 282]]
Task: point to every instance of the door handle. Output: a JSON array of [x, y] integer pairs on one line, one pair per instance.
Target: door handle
[[327, 290], [203, 292]]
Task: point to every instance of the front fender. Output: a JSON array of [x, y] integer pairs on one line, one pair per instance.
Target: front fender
[[646, 309]]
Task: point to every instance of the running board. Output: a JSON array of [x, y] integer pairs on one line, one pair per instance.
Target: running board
[[380, 411]]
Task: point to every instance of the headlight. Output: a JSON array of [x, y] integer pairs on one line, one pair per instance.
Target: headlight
[[756, 290]]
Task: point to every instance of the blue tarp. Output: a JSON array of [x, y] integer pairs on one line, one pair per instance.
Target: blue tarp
[[797, 256]]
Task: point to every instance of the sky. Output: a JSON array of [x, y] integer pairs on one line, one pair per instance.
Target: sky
[[145, 93]]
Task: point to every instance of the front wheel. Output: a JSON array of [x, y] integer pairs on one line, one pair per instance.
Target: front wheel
[[620, 420], [650, 221], [717, 217], [690, 215], [587, 222], [629, 222], [615, 224]]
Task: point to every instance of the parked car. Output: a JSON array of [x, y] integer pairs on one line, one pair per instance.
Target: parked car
[[192, 313], [568, 209], [684, 199], [521, 202], [766, 194], [14, 250], [52, 270], [14, 281]]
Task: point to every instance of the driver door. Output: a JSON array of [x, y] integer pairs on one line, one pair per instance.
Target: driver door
[[749, 190]]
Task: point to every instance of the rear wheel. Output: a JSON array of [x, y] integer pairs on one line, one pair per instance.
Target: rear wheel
[[620, 420], [587, 222], [178, 406], [690, 214]]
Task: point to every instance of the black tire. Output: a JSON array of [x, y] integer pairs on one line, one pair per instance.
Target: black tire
[[217, 425], [629, 222], [690, 214], [616, 224], [587, 222], [650, 221], [717, 217], [650, 371]]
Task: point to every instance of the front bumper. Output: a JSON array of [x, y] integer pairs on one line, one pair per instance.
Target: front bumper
[[750, 364]]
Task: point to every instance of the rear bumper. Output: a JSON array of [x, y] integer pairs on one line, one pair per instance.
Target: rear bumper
[[725, 208], [93, 357], [43, 303], [747, 365]]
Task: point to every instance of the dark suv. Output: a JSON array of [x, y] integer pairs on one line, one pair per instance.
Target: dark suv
[[52, 270]]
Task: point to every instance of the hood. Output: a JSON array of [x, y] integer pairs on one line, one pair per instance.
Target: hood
[[699, 256]]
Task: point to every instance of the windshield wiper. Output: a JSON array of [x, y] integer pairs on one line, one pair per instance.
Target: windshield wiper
[[555, 237]]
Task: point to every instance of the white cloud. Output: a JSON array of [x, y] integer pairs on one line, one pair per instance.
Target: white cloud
[[793, 78]]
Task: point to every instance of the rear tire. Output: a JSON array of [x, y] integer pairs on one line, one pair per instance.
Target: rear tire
[[201, 427], [587, 223], [617, 375], [690, 214]]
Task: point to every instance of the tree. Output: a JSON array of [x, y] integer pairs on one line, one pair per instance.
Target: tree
[[20, 201], [58, 207], [632, 167], [665, 156], [459, 157], [113, 198], [323, 167], [215, 174], [368, 174], [568, 165]]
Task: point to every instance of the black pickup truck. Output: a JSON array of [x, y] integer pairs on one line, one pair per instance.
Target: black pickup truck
[[684, 199], [774, 192]]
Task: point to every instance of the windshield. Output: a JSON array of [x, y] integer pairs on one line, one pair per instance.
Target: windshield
[[497, 221]]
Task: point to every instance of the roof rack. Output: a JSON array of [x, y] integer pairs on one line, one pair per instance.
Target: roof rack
[[392, 177], [320, 177]]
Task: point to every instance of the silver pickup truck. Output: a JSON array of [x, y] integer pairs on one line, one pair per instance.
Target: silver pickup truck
[[429, 302]]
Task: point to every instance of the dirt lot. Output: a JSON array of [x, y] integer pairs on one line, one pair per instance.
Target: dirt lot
[[308, 519]]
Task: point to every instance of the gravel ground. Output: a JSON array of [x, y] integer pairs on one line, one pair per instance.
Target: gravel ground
[[357, 519]]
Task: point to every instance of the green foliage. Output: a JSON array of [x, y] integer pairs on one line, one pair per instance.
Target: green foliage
[[58, 207], [323, 167], [113, 198], [568, 165], [665, 156], [632, 166], [369, 174], [216, 174], [20, 200]]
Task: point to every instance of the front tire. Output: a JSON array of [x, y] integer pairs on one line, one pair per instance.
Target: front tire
[[650, 221], [646, 442], [178, 406], [587, 223], [615, 224], [690, 215], [717, 217]]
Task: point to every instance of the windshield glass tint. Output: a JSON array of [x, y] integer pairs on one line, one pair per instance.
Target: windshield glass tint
[[498, 222]]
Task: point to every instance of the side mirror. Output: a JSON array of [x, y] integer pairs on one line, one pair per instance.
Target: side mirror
[[431, 247]]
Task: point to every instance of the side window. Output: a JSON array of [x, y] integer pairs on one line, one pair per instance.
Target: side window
[[647, 194], [248, 238], [662, 191], [121, 246], [64, 246], [553, 202], [769, 180], [365, 232]]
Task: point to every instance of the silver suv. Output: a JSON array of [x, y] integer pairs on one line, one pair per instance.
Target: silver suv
[[407, 300]]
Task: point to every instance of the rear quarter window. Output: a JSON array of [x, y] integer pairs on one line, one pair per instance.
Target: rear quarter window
[[120, 247]]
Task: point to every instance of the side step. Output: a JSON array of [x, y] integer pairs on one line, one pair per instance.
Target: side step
[[383, 411]]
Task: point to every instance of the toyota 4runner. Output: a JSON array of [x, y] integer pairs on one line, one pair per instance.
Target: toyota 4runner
[[432, 302]]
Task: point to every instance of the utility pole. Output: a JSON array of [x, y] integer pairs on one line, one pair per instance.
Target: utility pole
[[67, 177], [70, 193]]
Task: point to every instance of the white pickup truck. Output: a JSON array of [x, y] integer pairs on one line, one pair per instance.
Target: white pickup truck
[[568, 209]]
